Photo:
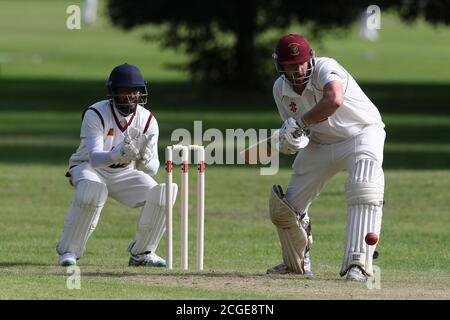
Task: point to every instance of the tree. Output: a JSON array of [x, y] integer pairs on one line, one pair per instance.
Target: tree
[[223, 37]]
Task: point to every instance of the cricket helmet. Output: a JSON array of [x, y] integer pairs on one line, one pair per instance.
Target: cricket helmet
[[294, 49], [126, 76]]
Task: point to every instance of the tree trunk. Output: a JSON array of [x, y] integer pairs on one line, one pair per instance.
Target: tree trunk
[[244, 73]]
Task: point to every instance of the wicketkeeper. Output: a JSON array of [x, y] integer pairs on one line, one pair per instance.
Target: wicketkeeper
[[117, 157], [319, 100]]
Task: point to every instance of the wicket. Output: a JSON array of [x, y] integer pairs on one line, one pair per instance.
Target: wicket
[[184, 190]]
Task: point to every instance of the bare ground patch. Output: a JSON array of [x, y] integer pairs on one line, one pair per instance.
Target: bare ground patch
[[394, 285], [324, 285]]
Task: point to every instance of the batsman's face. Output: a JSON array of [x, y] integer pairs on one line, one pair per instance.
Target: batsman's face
[[296, 73]]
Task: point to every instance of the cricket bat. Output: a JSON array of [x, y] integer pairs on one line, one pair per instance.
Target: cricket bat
[[261, 151]]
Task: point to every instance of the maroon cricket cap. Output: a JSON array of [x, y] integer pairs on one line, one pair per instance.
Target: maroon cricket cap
[[293, 49]]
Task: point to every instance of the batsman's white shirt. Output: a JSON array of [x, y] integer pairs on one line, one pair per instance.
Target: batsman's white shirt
[[351, 117], [124, 182]]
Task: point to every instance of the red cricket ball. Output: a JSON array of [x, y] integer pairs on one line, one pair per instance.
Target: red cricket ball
[[371, 238]]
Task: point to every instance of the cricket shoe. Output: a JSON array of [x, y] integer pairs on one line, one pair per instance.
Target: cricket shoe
[[67, 259], [282, 268], [147, 259], [355, 273]]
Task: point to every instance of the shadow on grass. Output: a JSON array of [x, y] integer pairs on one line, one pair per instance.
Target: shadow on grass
[[28, 155], [414, 160], [61, 95], [172, 274], [20, 264]]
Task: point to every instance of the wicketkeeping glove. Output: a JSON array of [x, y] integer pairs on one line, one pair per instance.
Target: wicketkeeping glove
[[126, 151], [146, 154]]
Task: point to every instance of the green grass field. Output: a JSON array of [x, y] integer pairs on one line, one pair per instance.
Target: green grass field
[[49, 74]]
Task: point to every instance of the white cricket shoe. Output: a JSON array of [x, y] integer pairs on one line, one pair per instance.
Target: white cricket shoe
[[67, 259], [355, 273], [147, 259]]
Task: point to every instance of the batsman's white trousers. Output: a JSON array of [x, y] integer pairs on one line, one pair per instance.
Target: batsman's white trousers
[[130, 187], [362, 157], [316, 164]]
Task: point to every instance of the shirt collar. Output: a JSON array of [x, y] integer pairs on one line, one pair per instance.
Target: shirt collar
[[122, 122]]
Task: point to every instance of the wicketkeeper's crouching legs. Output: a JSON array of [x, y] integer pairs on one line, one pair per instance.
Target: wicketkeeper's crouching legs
[[151, 226], [292, 234], [365, 191], [82, 217]]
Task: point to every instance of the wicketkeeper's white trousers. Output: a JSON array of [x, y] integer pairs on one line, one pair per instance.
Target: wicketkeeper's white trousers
[[130, 187]]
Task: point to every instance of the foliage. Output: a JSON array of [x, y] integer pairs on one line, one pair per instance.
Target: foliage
[[199, 27]]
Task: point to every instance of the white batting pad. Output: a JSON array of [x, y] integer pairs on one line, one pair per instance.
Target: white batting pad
[[292, 236], [152, 221], [365, 183], [362, 219], [82, 217], [365, 192]]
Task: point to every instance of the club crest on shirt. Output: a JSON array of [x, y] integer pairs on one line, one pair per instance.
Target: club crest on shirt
[[110, 132], [293, 106]]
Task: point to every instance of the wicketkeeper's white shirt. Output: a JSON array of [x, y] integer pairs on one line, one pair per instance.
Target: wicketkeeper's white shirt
[[351, 117], [102, 120]]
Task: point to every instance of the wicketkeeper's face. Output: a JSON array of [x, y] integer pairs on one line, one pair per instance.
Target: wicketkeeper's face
[[126, 100], [130, 96]]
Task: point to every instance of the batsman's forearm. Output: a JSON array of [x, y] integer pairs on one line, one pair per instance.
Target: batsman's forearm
[[332, 99], [321, 111]]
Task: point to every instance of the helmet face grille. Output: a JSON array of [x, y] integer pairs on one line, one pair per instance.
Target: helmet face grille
[[293, 77], [125, 109], [126, 104]]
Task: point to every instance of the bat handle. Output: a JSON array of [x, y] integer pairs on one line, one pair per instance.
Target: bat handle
[[297, 133]]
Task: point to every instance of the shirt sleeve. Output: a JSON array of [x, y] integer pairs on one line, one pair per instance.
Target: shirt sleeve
[[92, 125], [97, 157], [331, 71], [278, 101], [153, 131]]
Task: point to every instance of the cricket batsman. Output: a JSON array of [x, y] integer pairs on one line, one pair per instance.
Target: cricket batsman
[[319, 100], [117, 157]]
